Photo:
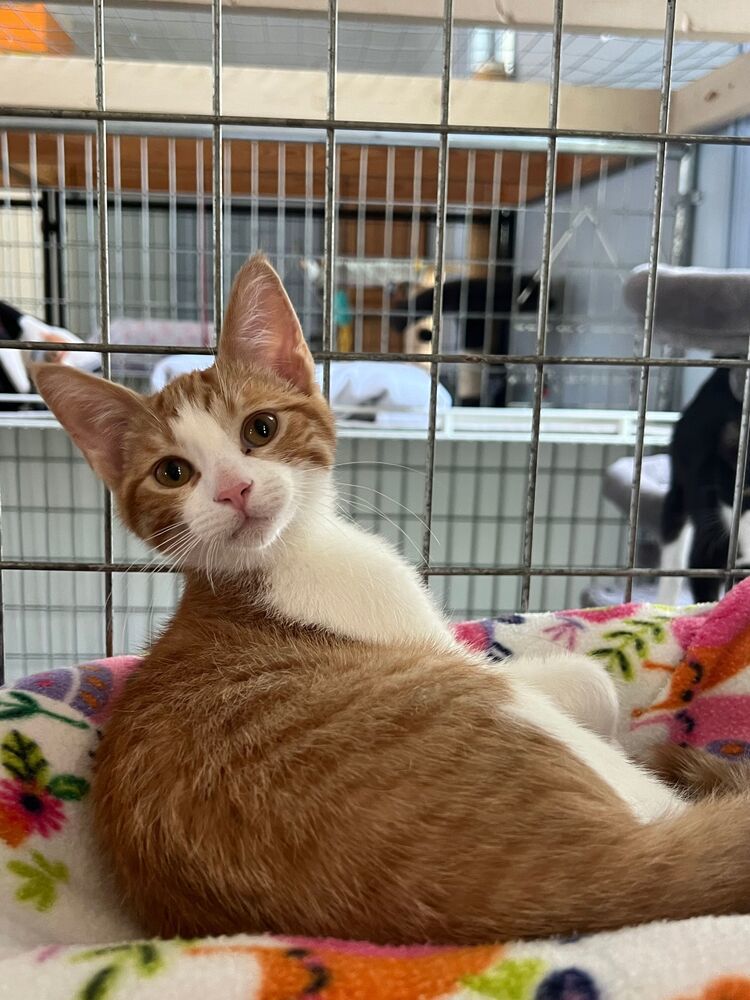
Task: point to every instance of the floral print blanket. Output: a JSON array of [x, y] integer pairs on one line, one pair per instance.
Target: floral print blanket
[[682, 675]]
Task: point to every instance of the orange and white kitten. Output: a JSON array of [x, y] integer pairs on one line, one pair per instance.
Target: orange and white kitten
[[305, 749]]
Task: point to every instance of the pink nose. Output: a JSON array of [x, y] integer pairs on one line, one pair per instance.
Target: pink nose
[[235, 495]]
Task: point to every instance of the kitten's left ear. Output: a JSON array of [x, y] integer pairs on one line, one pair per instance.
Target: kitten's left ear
[[95, 412], [261, 327]]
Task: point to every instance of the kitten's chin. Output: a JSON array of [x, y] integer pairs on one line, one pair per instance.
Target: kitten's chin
[[243, 547], [255, 533]]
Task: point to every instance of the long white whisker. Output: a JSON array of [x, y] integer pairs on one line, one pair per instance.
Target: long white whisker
[[183, 550], [151, 558], [374, 510], [212, 551], [163, 531], [389, 465], [403, 506]]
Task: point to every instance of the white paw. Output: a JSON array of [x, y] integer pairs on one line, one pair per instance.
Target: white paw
[[576, 684]]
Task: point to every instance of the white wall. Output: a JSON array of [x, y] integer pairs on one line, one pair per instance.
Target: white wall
[[21, 263]]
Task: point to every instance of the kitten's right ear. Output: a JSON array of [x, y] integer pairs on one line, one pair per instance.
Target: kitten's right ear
[[261, 327], [95, 412]]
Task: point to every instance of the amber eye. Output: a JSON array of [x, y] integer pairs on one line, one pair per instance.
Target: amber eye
[[173, 472], [259, 429]]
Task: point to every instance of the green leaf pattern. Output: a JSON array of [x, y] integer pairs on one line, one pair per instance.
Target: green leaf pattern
[[68, 787], [101, 983], [630, 643], [142, 958], [24, 760], [40, 880], [20, 705], [513, 979]]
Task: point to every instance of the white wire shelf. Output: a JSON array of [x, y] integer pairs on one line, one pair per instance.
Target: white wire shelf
[[558, 426]]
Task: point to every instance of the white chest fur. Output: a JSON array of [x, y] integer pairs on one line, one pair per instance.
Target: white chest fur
[[339, 577]]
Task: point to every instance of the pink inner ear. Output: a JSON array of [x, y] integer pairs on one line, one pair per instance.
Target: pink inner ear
[[261, 327], [96, 414], [298, 369]]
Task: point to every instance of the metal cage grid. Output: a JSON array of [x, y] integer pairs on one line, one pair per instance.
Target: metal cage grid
[[642, 364]]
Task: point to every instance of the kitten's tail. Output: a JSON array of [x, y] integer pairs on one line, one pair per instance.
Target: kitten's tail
[[695, 863], [698, 773]]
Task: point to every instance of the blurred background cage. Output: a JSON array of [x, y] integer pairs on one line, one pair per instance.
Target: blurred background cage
[[462, 190]]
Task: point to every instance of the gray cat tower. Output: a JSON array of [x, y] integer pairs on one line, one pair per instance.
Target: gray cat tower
[[695, 307]]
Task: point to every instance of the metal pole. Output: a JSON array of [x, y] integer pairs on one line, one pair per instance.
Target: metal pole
[[103, 310], [217, 200], [543, 312], [437, 302], [329, 246], [653, 260]]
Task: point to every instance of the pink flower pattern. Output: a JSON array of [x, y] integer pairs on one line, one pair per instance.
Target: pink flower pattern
[[31, 807], [32, 798], [565, 631]]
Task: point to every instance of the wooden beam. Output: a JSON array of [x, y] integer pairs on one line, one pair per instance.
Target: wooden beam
[[180, 88], [364, 173], [726, 20], [716, 99]]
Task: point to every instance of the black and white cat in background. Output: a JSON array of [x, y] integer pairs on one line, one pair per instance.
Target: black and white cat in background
[[484, 309], [697, 511], [16, 324]]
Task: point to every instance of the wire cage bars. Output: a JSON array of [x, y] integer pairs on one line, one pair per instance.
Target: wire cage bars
[[492, 256]]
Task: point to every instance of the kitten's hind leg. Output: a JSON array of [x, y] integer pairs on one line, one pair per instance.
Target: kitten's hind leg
[[577, 685]]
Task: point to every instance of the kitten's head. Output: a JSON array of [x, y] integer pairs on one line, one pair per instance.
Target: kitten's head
[[217, 467]]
